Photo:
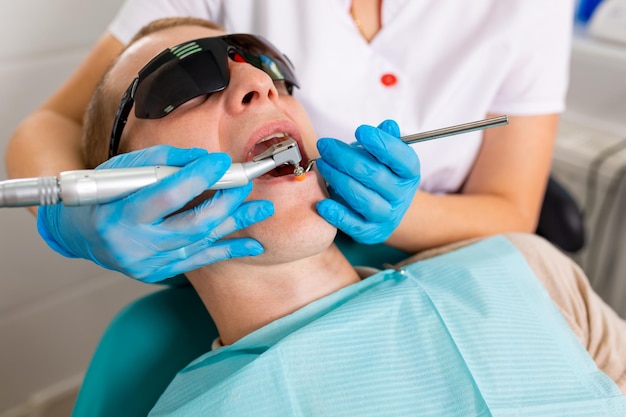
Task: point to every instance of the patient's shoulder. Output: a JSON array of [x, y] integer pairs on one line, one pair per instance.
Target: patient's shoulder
[[541, 255], [538, 252], [529, 242]]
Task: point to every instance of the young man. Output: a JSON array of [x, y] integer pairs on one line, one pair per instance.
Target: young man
[[504, 326]]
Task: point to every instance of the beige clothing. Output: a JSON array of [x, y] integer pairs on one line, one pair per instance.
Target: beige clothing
[[597, 326]]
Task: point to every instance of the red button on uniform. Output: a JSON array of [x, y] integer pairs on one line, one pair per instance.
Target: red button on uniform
[[388, 79]]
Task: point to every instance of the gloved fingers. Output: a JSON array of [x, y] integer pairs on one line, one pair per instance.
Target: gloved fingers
[[244, 216], [341, 155], [370, 173], [208, 228], [390, 127], [194, 227], [141, 250], [155, 155], [217, 251], [210, 212], [361, 198], [361, 165], [46, 226], [237, 247], [130, 244], [389, 149], [196, 256], [154, 202], [352, 223]]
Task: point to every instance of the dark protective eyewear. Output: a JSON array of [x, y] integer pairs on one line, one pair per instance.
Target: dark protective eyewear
[[195, 68]]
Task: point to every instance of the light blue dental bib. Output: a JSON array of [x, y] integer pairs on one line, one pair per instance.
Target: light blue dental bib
[[469, 333]]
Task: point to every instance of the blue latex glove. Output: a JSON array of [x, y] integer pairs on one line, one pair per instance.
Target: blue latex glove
[[371, 187], [139, 236]]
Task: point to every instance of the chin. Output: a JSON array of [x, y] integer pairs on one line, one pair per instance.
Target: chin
[[296, 230]]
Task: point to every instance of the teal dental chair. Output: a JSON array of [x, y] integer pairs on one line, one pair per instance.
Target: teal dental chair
[[156, 336]]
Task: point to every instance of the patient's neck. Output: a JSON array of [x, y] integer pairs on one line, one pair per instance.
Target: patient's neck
[[242, 298]]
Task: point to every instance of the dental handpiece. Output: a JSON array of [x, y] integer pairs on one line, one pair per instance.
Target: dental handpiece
[[97, 186]]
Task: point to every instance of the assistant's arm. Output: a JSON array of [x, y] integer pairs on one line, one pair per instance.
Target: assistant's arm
[[48, 140], [503, 192]]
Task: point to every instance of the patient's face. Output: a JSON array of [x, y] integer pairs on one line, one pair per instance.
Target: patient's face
[[234, 121]]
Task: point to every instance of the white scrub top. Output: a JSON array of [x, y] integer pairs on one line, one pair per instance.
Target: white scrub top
[[452, 62]]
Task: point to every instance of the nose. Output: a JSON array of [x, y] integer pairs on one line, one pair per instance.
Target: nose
[[248, 86]]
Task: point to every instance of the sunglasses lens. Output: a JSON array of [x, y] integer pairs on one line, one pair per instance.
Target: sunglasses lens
[[201, 67], [263, 55], [176, 81]]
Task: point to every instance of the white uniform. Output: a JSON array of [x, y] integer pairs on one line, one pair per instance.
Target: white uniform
[[453, 62]]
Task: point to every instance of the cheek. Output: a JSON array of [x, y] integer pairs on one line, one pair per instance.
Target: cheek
[[188, 132], [140, 134]]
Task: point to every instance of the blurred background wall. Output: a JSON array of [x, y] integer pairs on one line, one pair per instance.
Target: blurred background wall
[[52, 310]]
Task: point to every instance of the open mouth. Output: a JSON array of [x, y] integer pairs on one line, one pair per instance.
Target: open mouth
[[265, 144]]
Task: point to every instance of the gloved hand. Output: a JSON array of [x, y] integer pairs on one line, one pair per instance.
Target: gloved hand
[[371, 187], [139, 236]]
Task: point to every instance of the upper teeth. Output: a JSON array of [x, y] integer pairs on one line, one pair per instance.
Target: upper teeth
[[275, 135]]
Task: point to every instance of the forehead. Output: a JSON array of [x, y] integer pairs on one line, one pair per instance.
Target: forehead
[[141, 52]]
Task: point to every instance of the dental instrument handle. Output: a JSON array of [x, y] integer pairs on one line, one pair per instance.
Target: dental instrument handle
[[97, 186], [455, 130], [25, 192], [84, 187], [441, 133]]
